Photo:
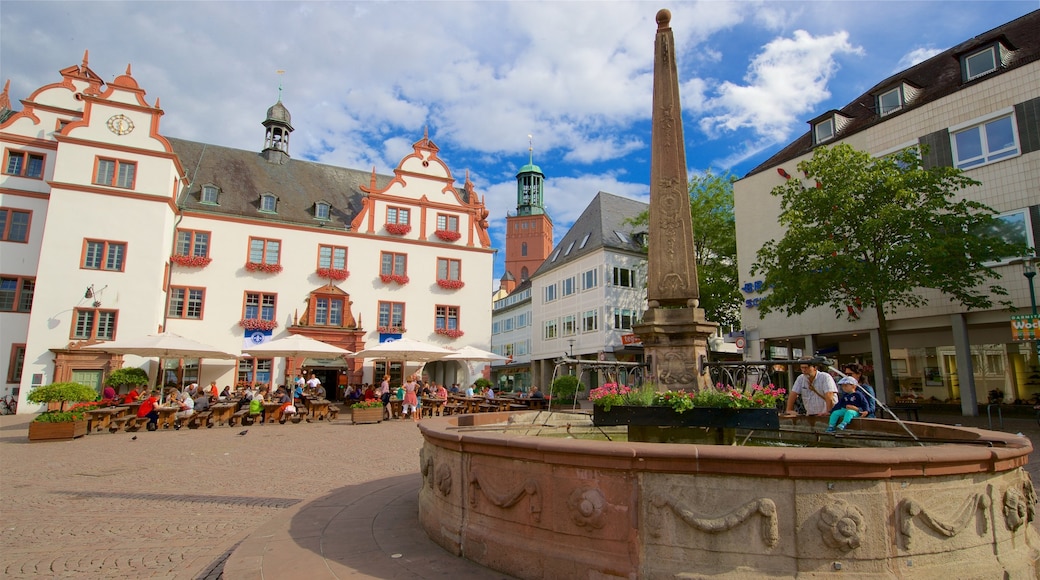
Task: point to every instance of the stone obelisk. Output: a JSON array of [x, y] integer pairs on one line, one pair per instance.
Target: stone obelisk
[[674, 331]]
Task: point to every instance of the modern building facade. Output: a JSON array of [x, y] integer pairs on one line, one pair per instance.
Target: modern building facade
[[975, 106], [112, 230]]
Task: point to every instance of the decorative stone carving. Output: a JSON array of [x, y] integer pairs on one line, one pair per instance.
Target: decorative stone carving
[[1019, 506], [910, 509], [442, 479], [509, 498], [841, 525], [425, 465], [588, 507], [763, 507]]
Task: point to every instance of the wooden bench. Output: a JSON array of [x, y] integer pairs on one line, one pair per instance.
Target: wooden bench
[[130, 424], [198, 420], [333, 412], [299, 415], [242, 415]]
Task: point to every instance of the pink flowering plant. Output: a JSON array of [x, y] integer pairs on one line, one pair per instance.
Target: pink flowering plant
[[451, 284], [608, 395], [263, 267], [338, 274], [190, 261], [449, 332], [724, 397], [257, 324], [398, 229], [447, 235], [401, 279]]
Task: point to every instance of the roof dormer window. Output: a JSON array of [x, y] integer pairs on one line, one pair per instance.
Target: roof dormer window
[[269, 203], [890, 102], [321, 210], [824, 130], [980, 63], [209, 194]]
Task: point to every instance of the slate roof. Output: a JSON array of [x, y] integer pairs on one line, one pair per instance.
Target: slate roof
[[603, 217], [936, 78], [243, 176]]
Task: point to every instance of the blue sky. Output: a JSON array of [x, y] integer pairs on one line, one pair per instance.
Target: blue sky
[[362, 79]]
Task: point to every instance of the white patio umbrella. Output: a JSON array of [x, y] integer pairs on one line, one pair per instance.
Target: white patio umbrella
[[474, 354], [164, 345], [405, 350], [296, 345]]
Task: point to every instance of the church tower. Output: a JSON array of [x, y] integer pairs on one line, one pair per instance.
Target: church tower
[[529, 233]]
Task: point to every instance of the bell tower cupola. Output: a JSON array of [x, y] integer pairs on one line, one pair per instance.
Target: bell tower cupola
[[278, 126], [529, 187]]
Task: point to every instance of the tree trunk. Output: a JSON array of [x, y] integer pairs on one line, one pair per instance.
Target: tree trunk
[[883, 367]]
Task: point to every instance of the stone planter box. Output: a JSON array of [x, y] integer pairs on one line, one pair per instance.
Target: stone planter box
[[696, 417], [39, 431], [367, 415]]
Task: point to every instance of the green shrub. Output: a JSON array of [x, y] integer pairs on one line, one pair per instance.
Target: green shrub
[[62, 392], [366, 405], [566, 386], [59, 417], [127, 377], [482, 383]]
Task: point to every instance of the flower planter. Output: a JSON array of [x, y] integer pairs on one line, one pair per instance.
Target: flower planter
[[366, 415], [696, 417], [40, 431]]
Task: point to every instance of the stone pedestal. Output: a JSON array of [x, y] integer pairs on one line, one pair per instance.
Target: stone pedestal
[[676, 340]]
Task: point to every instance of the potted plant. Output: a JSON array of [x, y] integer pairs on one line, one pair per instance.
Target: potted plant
[[65, 421], [722, 406], [447, 235], [366, 412]]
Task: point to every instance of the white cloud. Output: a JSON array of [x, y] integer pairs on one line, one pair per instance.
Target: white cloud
[[786, 80], [915, 56]]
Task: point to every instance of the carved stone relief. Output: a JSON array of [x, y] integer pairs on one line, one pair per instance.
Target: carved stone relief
[[841, 524], [762, 507], [507, 498], [588, 507], [950, 527]]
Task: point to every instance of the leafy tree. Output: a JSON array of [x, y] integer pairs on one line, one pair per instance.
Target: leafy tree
[[715, 243], [865, 232], [127, 376]]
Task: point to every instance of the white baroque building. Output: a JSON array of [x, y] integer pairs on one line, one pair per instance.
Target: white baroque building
[[975, 106], [112, 230]]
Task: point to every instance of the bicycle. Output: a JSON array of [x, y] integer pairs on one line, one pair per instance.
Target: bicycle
[[8, 405]]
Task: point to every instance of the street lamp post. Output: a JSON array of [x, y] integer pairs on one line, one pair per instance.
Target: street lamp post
[[1029, 271]]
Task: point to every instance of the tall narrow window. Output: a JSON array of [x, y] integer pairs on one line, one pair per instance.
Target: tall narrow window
[[103, 255], [16, 363], [268, 203], [24, 164], [263, 251], [14, 225], [16, 294], [209, 194], [590, 321], [186, 302], [115, 173], [590, 279], [321, 210], [92, 323]]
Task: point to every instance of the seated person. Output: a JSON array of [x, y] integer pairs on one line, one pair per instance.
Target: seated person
[[287, 408], [150, 408], [187, 405], [319, 391], [370, 393], [851, 404], [202, 402], [132, 396], [225, 395], [108, 393], [469, 391], [489, 394], [256, 408], [535, 393], [442, 393]]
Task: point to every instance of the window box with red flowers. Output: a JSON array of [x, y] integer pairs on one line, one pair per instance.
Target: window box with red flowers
[[333, 274], [401, 279], [191, 261], [451, 284], [263, 267], [449, 332], [391, 330], [398, 229], [447, 235], [257, 324]]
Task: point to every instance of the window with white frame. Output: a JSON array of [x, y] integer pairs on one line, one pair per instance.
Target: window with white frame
[[624, 277], [985, 142], [496, 328], [590, 321], [824, 130], [550, 330], [269, 203], [209, 194], [322, 210], [1014, 227], [890, 102], [623, 318], [550, 293], [980, 63], [590, 279], [507, 324], [568, 325], [567, 286]]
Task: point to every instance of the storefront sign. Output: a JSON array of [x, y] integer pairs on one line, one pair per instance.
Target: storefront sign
[[628, 339], [1025, 327]]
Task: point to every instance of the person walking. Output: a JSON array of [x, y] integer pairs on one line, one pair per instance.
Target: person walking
[[411, 398]]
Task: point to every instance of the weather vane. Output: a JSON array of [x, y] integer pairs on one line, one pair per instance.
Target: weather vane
[[530, 148], [280, 72]]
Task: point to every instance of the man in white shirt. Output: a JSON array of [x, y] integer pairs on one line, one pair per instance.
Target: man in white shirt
[[817, 390], [313, 382], [187, 409]]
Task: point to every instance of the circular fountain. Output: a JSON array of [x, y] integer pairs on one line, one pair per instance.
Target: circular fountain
[[532, 506]]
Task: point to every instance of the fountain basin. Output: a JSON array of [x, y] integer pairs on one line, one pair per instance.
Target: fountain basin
[[540, 507]]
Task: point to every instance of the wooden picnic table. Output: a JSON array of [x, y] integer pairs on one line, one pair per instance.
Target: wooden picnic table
[[222, 412], [98, 419], [470, 404], [432, 406], [395, 408], [167, 416], [317, 408], [270, 408]]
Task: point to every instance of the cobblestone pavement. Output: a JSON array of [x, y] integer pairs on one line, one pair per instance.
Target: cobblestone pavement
[[176, 504], [173, 504]]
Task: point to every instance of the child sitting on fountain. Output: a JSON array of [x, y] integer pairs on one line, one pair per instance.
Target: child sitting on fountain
[[851, 403]]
